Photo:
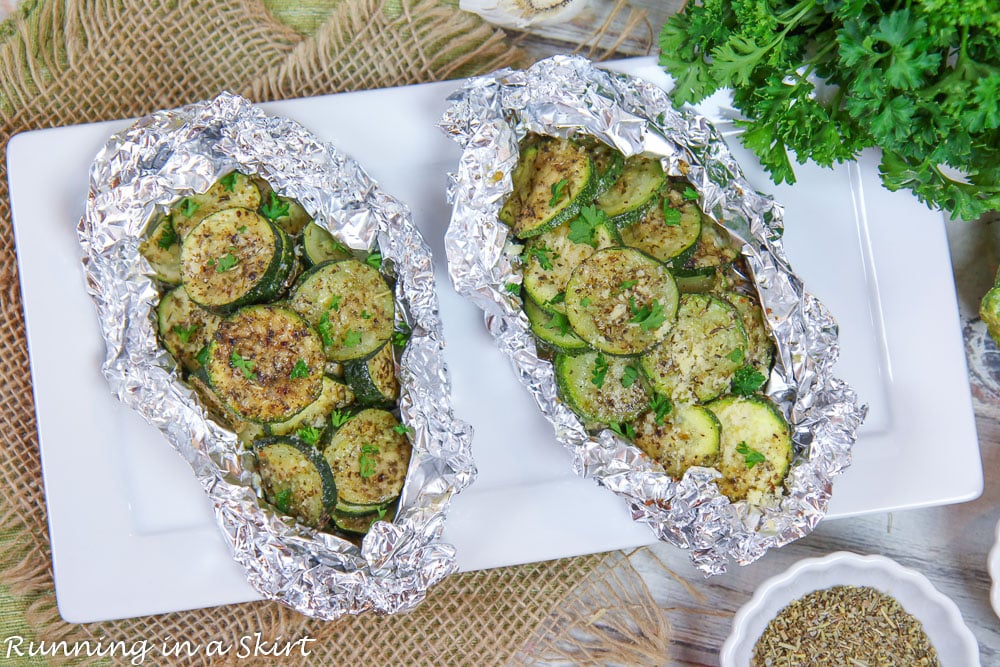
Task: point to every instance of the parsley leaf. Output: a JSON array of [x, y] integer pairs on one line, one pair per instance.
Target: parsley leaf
[[736, 356], [309, 435], [582, 228], [541, 253], [226, 263], [334, 303], [365, 315], [600, 371], [661, 407], [630, 375], [558, 321], [274, 208], [627, 284], [557, 191], [352, 338], [751, 456], [560, 297], [649, 317], [168, 236], [374, 260], [185, 333], [339, 417], [690, 194], [281, 500], [671, 216], [228, 181], [188, 206], [747, 380], [300, 370], [244, 365], [202, 356], [401, 335], [367, 463], [325, 329], [403, 429], [585, 302], [624, 429], [513, 288]]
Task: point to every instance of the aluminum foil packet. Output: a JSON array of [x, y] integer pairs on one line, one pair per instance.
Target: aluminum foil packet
[[565, 95], [171, 154]]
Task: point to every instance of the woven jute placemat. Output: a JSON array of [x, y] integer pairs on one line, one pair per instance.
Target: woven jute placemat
[[69, 61]]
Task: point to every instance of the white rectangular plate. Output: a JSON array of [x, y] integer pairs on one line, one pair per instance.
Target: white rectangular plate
[[133, 534]]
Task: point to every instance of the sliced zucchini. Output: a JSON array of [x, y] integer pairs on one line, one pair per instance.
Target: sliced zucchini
[[600, 389], [369, 456], [354, 524], [634, 192], [553, 329], [715, 280], [713, 251], [351, 306], [373, 380], [687, 436], [548, 260], [760, 347], [162, 249], [661, 238], [697, 359], [756, 447], [184, 327], [319, 245], [608, 162], [621, 301], [296, 479], [234, 190], [553, 179], [234, 258], [266, 363], [353, 509], [334, 396], [284, 212]]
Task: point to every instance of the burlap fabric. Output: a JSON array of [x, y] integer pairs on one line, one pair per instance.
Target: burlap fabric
[[68, 61]]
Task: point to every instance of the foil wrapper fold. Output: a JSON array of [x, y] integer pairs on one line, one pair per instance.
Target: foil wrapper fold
[[171, 154], [565, 95]]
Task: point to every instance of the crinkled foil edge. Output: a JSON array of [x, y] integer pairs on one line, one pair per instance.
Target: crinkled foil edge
[[563, 95], [174, 153]]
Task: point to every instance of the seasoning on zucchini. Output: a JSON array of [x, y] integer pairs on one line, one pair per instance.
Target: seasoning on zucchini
[[162, 249], [664, 232], [334, 396], [369, 456], [373, 380], [296, 479], [711, 253], [601, 389], [266, 363], [553, 179], [233, 258], [234, 190], [184, 327], [634, 191], [760, 347], [553, 329], [687, 436], [621, 301]]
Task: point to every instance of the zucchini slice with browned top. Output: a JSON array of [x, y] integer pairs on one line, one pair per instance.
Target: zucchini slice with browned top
[[553, 330], [266, 363], [548, 260], [162, 249], [634, 192], [697, 359], [296, 479], [553, 179], [756, 447], [713, 252], [608, 162], [601, 389], [687, 436], [760, 346], [350, 305], [621, 301], [184, 327], [373, 380], [234, 190], [369, 456], [664, 232], [234, 258], [335, 395]]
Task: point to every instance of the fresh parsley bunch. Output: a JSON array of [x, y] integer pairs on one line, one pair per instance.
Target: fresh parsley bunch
[[826, 78]]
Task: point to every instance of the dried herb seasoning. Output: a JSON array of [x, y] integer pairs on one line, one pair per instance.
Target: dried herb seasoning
[[844, 626]]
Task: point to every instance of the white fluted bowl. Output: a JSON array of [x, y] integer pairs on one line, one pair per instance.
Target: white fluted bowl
[[954, 642]]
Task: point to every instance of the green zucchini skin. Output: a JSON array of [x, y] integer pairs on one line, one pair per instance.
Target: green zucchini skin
[[538, 202], [688, 436], [233, 258], [319, 246], [697, 360], [369, 458], [760, 347], [373, 380], [611, 400], [607, 297], [335, 395], [553, 330], [162, 249], [253, 360], [350, 305], [749, 425], [634, 191], [713, 252], [656, 238], [184, 327], [235, 190], [296, 479]]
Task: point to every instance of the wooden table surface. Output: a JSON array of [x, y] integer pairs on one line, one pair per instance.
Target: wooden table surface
[[948, 544]]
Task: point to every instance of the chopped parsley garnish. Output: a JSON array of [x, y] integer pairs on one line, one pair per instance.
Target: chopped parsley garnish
[[402, 429], [374, 260], [649, 317], [300, 370], [325, 329], [558, 321], [557, 191], [245, 365], [381, 512], [560, 297], [690, 194], [228, 181], [352, 338], [630, 375], [274, 208], [401, 336], [202, 356], [747, 380], [585, 301], [226, 262], [334, 302], [169, 235], [366, 461], [671, 216], [365, 315], [309, 435], [582, 228], [185, 333], [281, 500], [624, 429], [513, 288], [188, 206], [661, 407], [241, 229], [750, 455], [543, 254], [339, 417], [627, 284], [736, 356], [600, 371]]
